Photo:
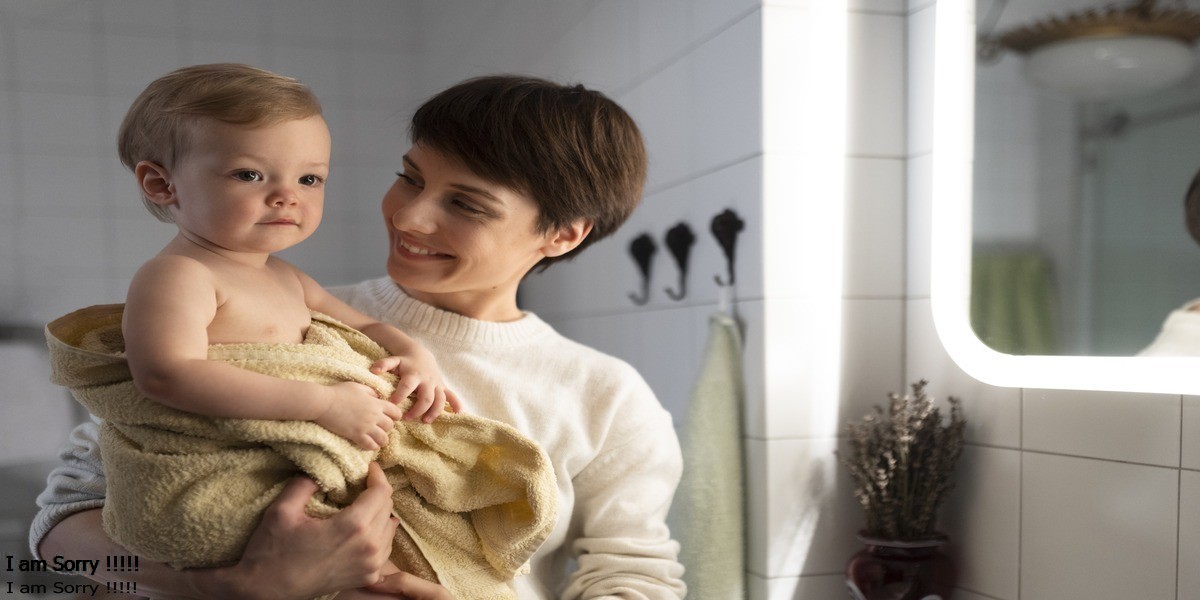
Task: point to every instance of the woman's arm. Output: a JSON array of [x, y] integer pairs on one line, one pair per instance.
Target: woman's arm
[[622, 499], [290, 555]]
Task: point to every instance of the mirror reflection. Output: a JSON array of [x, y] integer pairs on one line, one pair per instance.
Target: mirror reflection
[[1081, 245]]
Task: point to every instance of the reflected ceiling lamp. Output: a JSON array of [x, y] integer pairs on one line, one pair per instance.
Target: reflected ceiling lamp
[[1104, 53]]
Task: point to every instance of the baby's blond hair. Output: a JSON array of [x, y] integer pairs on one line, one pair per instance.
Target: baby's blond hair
[[157, 126]]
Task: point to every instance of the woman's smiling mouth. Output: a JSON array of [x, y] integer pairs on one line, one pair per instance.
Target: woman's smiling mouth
[[412, 249]]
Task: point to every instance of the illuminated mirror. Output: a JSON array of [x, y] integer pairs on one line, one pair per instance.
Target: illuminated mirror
[[1082, 359]]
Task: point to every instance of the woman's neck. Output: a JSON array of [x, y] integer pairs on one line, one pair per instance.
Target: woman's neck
[[483, 306]]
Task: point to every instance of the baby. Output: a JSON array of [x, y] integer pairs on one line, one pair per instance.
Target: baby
[[237, 158]]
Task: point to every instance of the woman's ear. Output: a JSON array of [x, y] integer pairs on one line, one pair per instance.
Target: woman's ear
[[155, 182], [566, 238]]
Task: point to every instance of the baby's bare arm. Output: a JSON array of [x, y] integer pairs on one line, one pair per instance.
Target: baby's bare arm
[[417, 369], [171, 302]]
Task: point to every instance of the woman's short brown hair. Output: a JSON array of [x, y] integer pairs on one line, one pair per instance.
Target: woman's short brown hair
[[157, 125], [577, 153]]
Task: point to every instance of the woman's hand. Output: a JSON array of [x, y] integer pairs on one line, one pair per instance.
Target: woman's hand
[[293, 555], [411, 587]]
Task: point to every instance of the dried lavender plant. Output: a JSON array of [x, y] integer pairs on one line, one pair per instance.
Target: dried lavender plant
[[902, 462]]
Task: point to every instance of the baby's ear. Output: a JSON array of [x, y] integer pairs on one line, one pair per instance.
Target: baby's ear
[[155, 182]]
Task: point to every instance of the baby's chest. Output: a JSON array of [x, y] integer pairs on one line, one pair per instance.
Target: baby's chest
[[262, 314]]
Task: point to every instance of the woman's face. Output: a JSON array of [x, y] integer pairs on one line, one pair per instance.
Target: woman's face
[[463, 243]]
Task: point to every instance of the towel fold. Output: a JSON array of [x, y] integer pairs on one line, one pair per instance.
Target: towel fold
[[474, 496]]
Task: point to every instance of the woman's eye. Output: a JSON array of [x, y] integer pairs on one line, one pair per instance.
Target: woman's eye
[[406, 178], [248, 176], [466, 207], [310, 180]]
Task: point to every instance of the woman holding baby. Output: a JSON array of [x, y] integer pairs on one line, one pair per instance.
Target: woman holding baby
[[505, 175]]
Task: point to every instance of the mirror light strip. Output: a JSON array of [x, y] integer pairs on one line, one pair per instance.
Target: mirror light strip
[[953, 127]]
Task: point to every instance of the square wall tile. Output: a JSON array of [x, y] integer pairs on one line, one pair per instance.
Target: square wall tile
[[64, 59], [920, 79], [875, 226], [918, 241], [993, 413], [876, 85], [872, 356], [667, 341], [142, 15], [601, 48], [1097, 529], [1189, 535], [665, 112], [132, 61], [725, 83], [753, 365], [664, 33], [1190, 451], [712, 16], [802, 516], [62, 122], [981, 517], [890, 7], [1140, 428]]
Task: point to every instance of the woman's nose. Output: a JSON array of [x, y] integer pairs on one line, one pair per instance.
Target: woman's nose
[[414, 213]]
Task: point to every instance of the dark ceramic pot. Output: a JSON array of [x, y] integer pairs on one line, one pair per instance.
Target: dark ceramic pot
[[896, 570]]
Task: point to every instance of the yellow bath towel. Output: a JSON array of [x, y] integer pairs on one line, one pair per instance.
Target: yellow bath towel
[[475, 497]]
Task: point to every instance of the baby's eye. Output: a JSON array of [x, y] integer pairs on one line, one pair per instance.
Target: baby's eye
[[310, 180], [248, 176]]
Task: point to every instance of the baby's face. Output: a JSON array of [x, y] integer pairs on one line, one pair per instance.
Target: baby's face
[[251, 190]]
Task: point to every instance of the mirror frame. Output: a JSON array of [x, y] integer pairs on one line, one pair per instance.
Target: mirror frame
[[950, 246]]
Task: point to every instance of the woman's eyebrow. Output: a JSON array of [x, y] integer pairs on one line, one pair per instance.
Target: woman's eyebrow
[[481, 192]]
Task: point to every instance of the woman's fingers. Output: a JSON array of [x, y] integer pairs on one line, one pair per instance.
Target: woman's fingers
[[411, 587]]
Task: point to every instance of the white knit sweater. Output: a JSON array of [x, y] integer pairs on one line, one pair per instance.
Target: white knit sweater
[[614, 450]]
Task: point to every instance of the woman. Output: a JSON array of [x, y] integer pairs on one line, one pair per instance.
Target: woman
[[505, 175]]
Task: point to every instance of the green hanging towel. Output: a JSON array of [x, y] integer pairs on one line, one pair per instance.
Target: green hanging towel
[[707, 516], [1012, 302]]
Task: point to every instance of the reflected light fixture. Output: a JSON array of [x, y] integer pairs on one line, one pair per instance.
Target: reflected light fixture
[[1105, 53]]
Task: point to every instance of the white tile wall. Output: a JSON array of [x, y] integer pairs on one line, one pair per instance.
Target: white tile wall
[[981, 520], [1190, 443], [1102, 425], [1189, 535], [876, 93], [1097, 529], [803, 517], [874, 238], [872, 331], [691, 74], [72, 69]]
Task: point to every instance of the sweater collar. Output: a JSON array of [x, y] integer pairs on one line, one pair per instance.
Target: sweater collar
[[412, 316]]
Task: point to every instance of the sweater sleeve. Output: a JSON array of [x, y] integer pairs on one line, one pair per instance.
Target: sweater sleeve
[[74, 486], [624, 549]]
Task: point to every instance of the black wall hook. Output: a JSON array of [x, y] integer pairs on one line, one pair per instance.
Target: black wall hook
[[726, 227], [680, 240], [642, 248]]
